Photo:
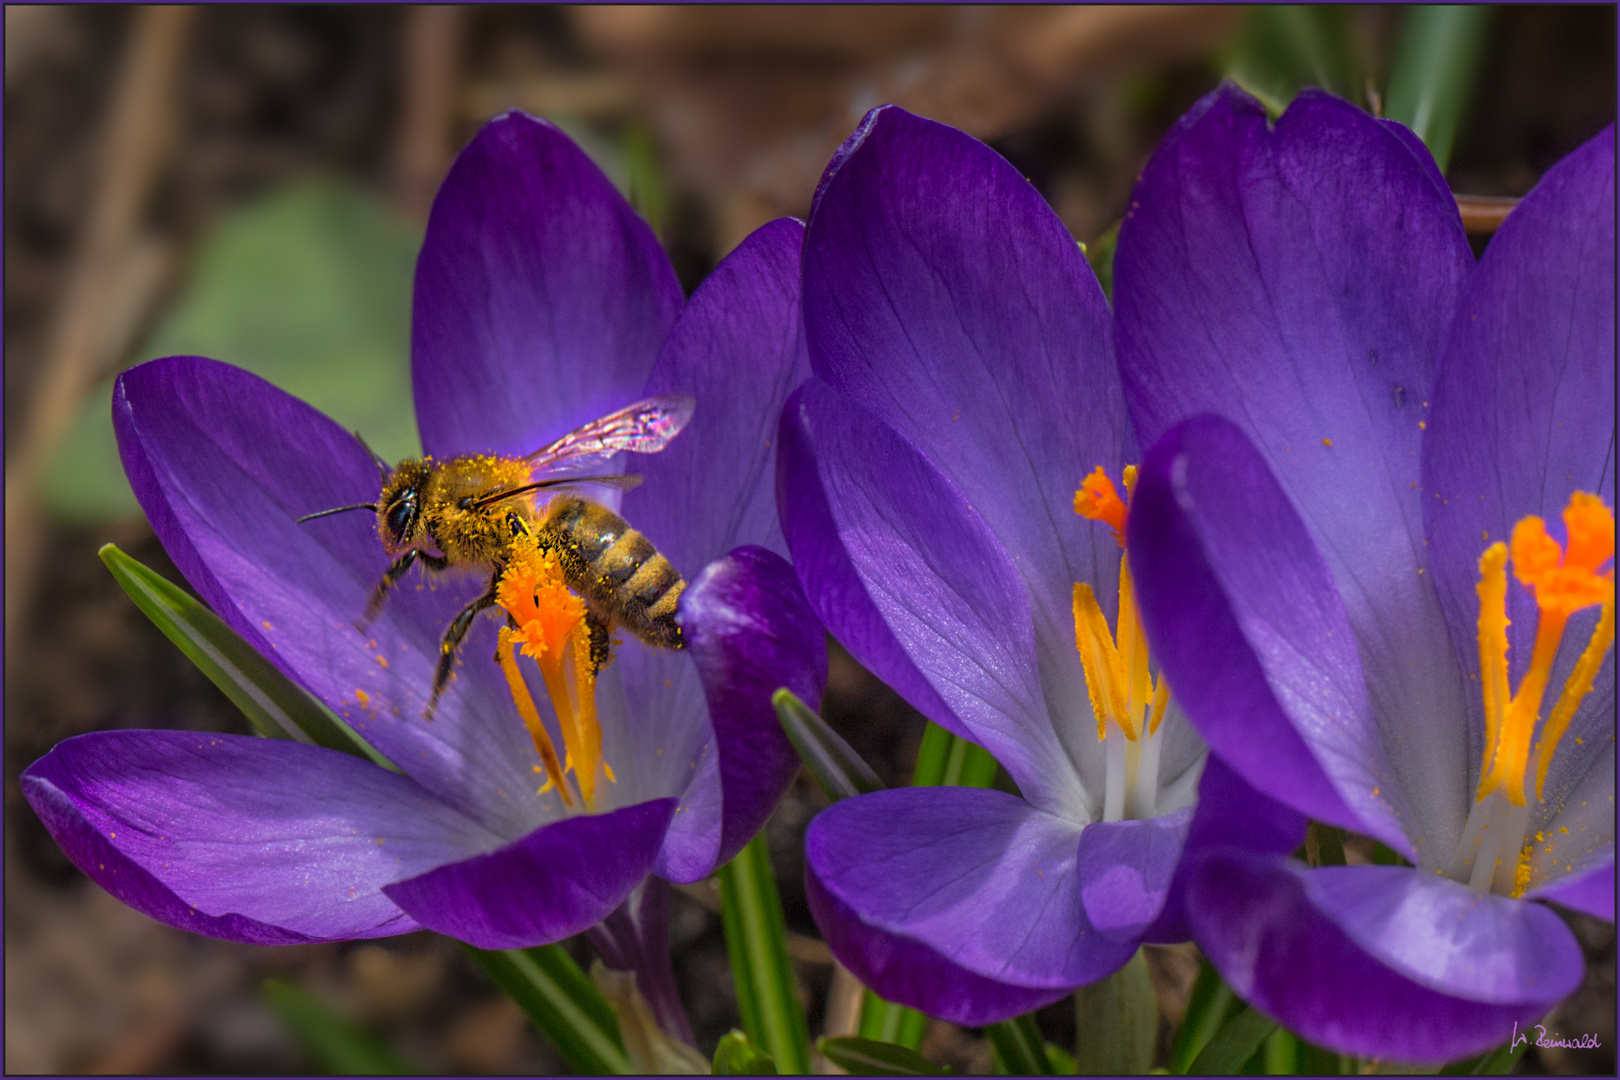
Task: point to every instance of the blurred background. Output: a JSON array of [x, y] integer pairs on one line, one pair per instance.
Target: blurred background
[[250, 183]]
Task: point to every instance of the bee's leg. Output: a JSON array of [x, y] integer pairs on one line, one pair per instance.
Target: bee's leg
[[601, 643], [453, 637], [393, 574]]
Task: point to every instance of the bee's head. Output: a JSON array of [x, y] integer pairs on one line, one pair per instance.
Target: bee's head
[[399, 507]]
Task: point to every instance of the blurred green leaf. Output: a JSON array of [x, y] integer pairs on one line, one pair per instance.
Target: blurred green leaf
[[1117, 1022], [1436, 60], [736, 1056], [310, 287], [1234, 1044], [1498, 1062], [756, 942], [1018, 1048], [868, 1057], [1100, 253], [1324, 845], [831, 761], [1210, 1005], [336, 1045], [887, 1022], [276, 706], [562, 1002], [648, 193], [1284, 48]]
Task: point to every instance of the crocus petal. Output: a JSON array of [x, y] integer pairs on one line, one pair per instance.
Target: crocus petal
[[750, 632], [1230, 813], [549, 885], [256, 840], [973, 886], [1125, 870], [222, 463], [903, 572], [1244, 618], [944, 295], [737, 349], [1590, 891], [1298, 279], [1379, 961], [1524, 408], [541, 298]]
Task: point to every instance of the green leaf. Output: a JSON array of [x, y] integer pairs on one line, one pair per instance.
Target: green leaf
[[562, 1002], [751, 914], [275, 705], [1018, 1047], [1383, 856], [1100, 254], [736, 1056], [888, 1022], [336, 1045], [869, 1057], [832, 762], [1282, 49], [1063, 1062], [1324, 845], [649, 193], [1498, 1062], [1117, 1022], [1280, 1053], [309, 287], [1210, 1005], [1234, 1044], [1437, 58], [948, 760]]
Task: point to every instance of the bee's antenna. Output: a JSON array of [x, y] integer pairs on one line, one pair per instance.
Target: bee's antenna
[[382, 462], [337, 510]]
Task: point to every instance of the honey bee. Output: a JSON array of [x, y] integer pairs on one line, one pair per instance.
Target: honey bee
[[468, 511]]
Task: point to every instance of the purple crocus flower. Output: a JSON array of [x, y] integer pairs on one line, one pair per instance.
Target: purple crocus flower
[[1324, 564], [964, 387], [542, 301]]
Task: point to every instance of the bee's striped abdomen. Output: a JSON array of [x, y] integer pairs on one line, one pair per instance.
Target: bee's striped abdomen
[[618, 570]]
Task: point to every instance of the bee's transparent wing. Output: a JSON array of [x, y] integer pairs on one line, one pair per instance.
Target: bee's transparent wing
[[645, 427], [621, 481]]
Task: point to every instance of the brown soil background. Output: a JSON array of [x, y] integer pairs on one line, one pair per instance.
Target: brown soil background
[[744, 105]]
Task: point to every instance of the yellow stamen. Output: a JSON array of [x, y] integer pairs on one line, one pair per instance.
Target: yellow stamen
[[1105, 674], [552, 631], [531, 716], [1161, 698], [1563, 582], [1133, 647], [1097, 500], [1493, 650]]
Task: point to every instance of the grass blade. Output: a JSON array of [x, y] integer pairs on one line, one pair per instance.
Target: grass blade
[[1209, 1007], [751, 913], [1436, 60], [562, 1002], [832, 762], [275, 705], [336, 1045], [868, 1057], [1019, 1048], [1234, 1045], [736, 1056], [884, 1021]]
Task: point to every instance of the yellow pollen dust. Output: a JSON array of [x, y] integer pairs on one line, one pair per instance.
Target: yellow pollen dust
[[1117, 676], [1563, 580], [551, 630]]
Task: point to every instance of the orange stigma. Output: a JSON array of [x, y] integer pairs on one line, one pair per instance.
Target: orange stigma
[[1563, 580], [552, 630], [1097, 500]]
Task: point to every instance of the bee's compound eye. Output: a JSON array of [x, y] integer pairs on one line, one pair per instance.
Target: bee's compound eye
[[400, 516]]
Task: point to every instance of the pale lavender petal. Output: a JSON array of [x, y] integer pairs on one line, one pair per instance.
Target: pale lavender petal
[[1230, 813], [1298, 279], [1243, 616], [549, 885], [909, 578], [1380, 961], [541, 298], [1590, 890], [979, 878], [223, 463], [1524, 416], [258, 840], [1125, 870], [750, 633]]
